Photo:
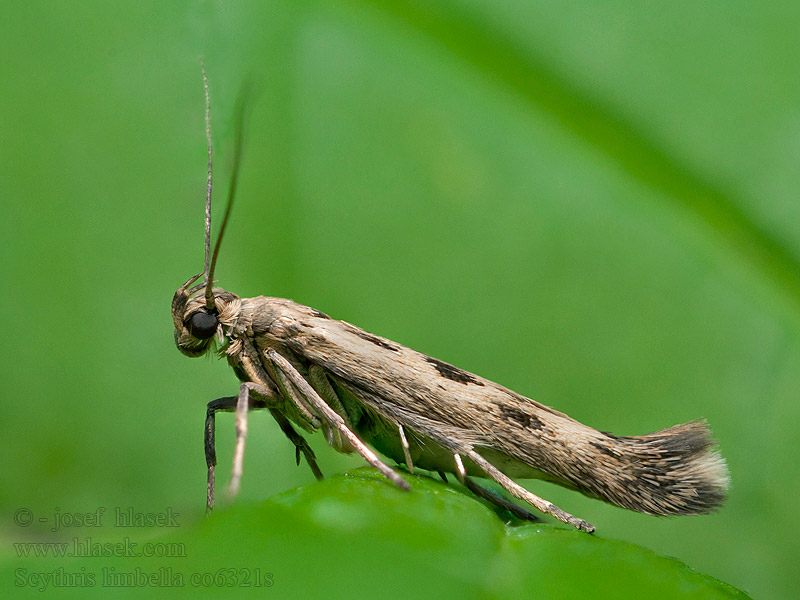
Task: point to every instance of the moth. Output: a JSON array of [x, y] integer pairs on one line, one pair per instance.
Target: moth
[[318, 373]]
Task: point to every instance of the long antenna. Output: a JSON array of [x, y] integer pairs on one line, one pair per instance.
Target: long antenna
[[208, 184], [237, 159]]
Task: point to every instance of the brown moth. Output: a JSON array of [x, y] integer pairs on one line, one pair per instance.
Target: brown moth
[[315, 372]]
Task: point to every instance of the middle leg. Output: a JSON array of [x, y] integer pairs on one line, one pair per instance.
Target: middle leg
[[312, 397]]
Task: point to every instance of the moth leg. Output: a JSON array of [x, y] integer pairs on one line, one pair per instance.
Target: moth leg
[[490, 495], [311, 396], [226, 404], [220, 404], [267, 396], [319, 381], [520, 492], [461, 472], [257, 372], [406, 448], [300, 443], [289, 393], [498, 500]]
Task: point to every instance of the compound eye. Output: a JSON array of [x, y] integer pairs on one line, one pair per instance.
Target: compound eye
[[203, 325]]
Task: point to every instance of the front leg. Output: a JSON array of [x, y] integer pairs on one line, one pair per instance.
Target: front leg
[[262, 397], [226, 404], [258, 400]]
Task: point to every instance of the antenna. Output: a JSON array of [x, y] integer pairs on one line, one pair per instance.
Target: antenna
[[208, 185], [237, 159]]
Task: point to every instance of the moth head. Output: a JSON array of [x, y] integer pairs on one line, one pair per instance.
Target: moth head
[[197, 326]]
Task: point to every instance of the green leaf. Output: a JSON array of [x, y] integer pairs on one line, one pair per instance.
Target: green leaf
[[357, 535]]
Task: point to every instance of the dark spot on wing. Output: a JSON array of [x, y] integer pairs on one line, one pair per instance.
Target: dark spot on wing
[[453, 373], [376, 340], [603, 448], [512, 413], [519, 398], [372, 339], [319, 313]]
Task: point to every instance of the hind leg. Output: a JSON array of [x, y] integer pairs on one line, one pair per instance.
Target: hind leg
[[520, 492]]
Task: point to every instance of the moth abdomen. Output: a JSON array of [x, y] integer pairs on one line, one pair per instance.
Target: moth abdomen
[[674, 471]]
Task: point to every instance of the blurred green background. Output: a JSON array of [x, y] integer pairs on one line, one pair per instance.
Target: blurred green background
[[593, 204]]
